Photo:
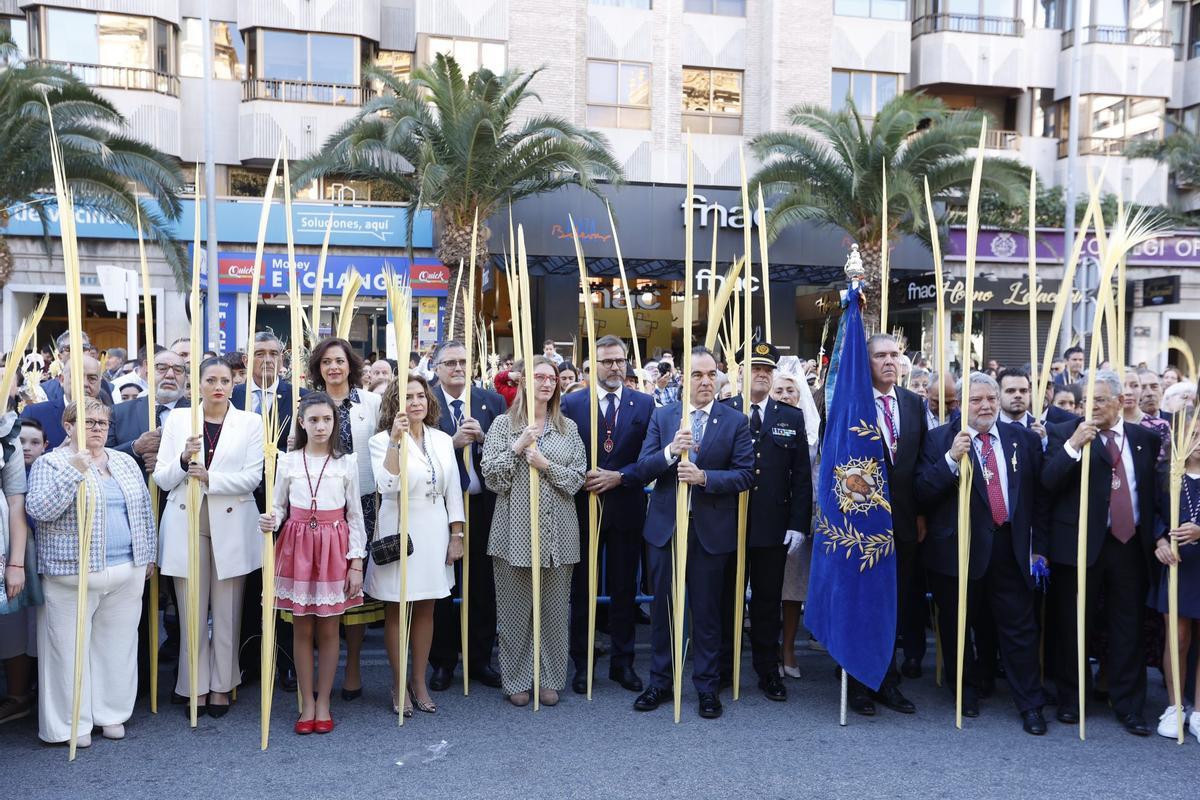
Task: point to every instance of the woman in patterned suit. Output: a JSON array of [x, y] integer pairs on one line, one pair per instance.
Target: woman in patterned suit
[[549, 443]]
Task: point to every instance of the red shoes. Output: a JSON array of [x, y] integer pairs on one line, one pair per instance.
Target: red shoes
[[322, 725], [305, 726]]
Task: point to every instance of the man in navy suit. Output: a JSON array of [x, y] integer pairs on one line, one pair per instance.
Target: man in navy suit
[[780, 515], [129, 430], [1127, 512], [1016, 393], [468, 427], [622, 420], [49, 413], [721, 466], [1008, 532]]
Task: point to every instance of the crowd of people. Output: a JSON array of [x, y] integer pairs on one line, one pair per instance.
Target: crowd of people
[[335, 517]]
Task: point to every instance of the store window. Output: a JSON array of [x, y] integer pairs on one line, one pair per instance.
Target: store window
[[618, 94], [305, 67], [229, 51], [471, 54], [875, 9], [727, 8], [868, 91], [712, 100]]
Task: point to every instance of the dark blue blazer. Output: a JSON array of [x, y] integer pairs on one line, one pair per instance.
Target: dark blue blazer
[[283, 408], [485, 407], [625, 505], [1056, 416], [49, 414], [1028, 505], [129, 421], [726, 454], [782, 496]]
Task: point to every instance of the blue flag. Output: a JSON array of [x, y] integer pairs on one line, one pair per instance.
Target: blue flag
[[851, 606]]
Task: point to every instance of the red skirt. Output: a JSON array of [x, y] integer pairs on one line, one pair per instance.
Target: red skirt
[[311, 564]]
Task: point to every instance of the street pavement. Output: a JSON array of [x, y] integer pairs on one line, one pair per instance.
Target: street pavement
[[482, 747]]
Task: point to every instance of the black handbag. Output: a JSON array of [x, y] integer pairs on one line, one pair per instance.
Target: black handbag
[[386, 550]]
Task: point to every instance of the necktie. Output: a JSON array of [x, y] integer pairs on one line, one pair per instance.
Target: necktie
[[159, 410], [258, 401], [893, 435], [755, 421], [991, 477], [610, 413], [1120, 502], [456, 414], [699, 422]]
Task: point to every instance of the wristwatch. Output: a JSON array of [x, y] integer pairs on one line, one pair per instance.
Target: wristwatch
[[394, 445]]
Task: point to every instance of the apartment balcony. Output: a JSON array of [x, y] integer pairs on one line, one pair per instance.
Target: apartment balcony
[[1135, 62], [968, 50], [327, 94], [1002, 140], [128, 78], [301, 113], [354, 17]]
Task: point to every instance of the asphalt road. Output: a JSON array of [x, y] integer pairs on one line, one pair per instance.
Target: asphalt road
[[481, 747]]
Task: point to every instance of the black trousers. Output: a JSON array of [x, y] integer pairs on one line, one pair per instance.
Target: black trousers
[[705, 578], [1000, 600], [249, 648], [481, 613], [912, 611], [621, 549], [1120, 574], [147, 628], [764, 573]]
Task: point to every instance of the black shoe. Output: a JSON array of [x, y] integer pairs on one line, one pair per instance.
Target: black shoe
[[287, 679], [710, 705], [772, 686], [987, 687], [970, 704], [650, 699], [215, 711], [179, 699], [350, 695], [1067, 716], [625, 676], [485, 675], [891, 698], [579, 682], [1135, 724], [911, 668], [860, 703], [441, 678], [1033, 722], [200, 710]]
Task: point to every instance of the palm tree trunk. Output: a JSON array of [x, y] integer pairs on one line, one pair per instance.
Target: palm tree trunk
[[454, 249], [869, 251]]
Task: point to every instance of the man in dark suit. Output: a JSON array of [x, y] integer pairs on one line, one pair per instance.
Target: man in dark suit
[[468, 427], [900, 415], [780, 515], [1127, 512], [1152, 395], [1073, 369], [622, 420], [129, 430], [53, 388], [265, 387], [49, 413], [721, 466], [1016, 392], [1008, 531]]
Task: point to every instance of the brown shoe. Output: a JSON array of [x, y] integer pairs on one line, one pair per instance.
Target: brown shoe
[[548, 697], [519, 699]]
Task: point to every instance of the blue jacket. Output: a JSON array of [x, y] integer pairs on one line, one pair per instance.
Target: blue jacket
[[626, 504], [49, 414], [726, 454]]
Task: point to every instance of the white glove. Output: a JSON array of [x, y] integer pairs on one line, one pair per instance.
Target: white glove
[[792, 540]]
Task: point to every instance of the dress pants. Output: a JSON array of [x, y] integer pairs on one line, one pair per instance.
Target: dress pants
[[481, 614], [217, 658], [114, 601], [514, 593], [705, 579], [912, 611], [1002, 596], [1120, 574], [621, 552], [764, 573]]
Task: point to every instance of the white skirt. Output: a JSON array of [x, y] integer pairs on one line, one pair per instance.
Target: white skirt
[[429, 576]]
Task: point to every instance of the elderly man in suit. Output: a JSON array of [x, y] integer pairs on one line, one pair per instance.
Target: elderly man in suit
[[721, 466], [781, 504], [130, 429], [49, 413], [467, 426], [1008, 532], [622, 420], [1127, 512]]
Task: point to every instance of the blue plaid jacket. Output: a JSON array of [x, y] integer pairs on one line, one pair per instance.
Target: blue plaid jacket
[[50, 500]]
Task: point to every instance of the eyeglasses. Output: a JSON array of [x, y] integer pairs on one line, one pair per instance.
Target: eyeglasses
[[163, 369], [96, 424], [453, 363], [545, 379], [609, 363]]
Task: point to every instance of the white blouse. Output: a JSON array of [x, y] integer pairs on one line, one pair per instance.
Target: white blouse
[[337, 489]]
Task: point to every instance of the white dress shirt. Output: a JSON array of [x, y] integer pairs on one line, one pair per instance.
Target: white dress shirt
[[1126, 457], [602, 396]]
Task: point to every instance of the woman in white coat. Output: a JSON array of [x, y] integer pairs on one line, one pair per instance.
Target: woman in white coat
[[336, 368], [435, 526], [229, 468]]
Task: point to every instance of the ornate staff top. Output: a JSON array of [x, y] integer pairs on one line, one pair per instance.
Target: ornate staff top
[[854, 266]]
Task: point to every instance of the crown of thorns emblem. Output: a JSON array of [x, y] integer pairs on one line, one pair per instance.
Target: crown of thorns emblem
[[857, 485]]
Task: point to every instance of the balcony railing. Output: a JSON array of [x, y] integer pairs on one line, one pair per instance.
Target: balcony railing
[[330, 94], [1096, 146], [1001, 140], [134, 78], [1112, 34], [969, 23]]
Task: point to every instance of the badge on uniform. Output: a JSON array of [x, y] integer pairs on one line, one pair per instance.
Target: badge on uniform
[[783, 430]]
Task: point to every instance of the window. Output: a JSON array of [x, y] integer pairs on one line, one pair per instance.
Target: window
[[1045, 14], [727, 8], [876, 9], [1110, 122], [869, 91], [397, 63], [1176, 24], [1193, 40], [245, 182], [305, 67], [72, 36], [1045, 118], [17, 30], [471, 54], [641, 4], [618, 94], [113, 50], [229, 51], [712, 100], [1189, 119]]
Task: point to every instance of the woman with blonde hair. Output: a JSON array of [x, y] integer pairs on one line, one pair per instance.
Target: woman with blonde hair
[[534, 433]]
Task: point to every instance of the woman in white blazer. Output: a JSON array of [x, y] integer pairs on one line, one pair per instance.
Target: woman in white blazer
[[229, 468], [336, 368]]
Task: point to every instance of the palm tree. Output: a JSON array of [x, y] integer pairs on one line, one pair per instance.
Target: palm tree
[[828, 170], [1180, 151], [458, 145], [106, 170]]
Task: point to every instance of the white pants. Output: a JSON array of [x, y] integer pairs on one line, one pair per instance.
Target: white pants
[[217, 659], [114, 605]]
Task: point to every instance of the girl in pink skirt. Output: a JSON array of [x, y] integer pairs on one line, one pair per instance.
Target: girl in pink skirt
[[319, 553]]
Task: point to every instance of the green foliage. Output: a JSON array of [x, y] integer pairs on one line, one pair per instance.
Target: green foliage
[[995, 212]]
